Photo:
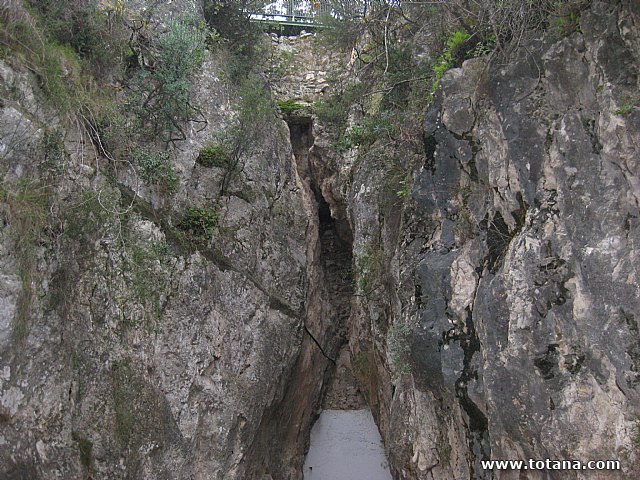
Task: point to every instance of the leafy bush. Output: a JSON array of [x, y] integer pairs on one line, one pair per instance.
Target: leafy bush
[[230, 19], [162, 92], [483, 47], [449, 58], [627, 105], [40, 38], [200, 223], [83, 26], [214, 156], [343, 24], [624, 109], [567, 24], [25, 207], [155, 168], [256, 115]]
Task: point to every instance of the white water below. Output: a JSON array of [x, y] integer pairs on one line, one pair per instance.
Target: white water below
[[346, 445]]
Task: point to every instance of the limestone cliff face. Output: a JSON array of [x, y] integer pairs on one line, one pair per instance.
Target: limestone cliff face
[[506, 298], [124, 353]]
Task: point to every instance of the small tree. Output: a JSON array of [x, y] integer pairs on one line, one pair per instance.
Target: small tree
[[162, 89]]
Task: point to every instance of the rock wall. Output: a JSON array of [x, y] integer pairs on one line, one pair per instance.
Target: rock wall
[[124, 352], [483, 271], [502, 323]]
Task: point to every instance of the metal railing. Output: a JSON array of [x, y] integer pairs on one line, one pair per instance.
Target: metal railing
[[301, 12]]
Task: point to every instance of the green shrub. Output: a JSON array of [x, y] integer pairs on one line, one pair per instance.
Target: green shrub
[[230, 19], [147, 275], [58, 74], [200, 223], [483, 47], [627, 103], [155, 168], [567, 24], [256, 115], [406, 185], [449, 57], [343, 24], [335, 109], [161, 95], [624, 109], [93, 33], [214, 155], [92, 215]]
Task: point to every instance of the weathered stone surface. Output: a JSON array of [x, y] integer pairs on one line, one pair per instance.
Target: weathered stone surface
[[483, 272], [139, 357], [518, 262]]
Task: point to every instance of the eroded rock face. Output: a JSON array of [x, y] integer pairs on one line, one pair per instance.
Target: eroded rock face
[[518, 263], [123, 352], [496, 290]]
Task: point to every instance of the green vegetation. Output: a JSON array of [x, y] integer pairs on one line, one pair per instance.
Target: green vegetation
[[64, 44], [450, 56], [200, 223], [91, 215], [281, 64], [406, 183], [147, 272], [214, 155], [162, 93], [625, 108], [155, 168], [228, 18], [55, 156], [90, 31], [372, 128], [567, 24], [72, 46], [26, 208], [290, 106], [334, 110], [256, 117]]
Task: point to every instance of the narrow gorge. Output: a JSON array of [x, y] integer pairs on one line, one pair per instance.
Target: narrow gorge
[[232, 237]]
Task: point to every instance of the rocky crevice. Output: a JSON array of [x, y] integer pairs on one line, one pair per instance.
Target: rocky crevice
[[321, 375]]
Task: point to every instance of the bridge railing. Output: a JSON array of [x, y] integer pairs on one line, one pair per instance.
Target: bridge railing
[[304, 12]]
